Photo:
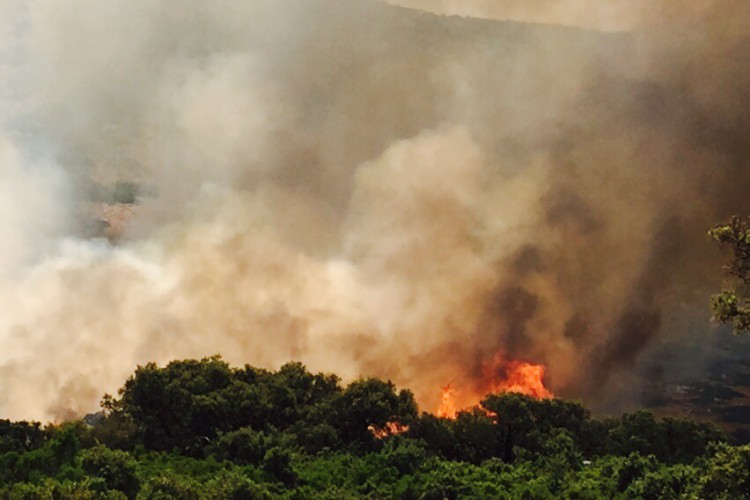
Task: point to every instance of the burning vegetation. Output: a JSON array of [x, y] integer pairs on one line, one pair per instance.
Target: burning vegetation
[[403, 196], [361, 186], [202, 429], [448, 408], [499, 376], [388, 430]]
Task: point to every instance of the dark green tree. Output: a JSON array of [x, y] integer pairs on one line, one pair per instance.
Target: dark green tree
[[20, 436], [117, 469], [437, 434], [477, 436], [527, 423], [187, 403], [371, 403], [278, 462]]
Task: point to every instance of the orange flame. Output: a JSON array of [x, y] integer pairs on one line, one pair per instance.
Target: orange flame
[[500, 376], [447, 403], [390, 429], [523, 378]]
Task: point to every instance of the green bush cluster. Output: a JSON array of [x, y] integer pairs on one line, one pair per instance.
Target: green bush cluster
[[201, 429]]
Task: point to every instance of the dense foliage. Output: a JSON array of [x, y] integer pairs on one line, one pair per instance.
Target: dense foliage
[[201, 429], [732, 305]]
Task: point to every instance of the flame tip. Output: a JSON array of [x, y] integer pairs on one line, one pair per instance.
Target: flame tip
[[515, 376]]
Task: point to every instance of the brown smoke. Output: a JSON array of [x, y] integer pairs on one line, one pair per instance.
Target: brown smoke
[[368, 189]]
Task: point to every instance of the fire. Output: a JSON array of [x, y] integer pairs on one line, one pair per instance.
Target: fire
[[447, 403], [523, 378], [500, 376], [390, 429]]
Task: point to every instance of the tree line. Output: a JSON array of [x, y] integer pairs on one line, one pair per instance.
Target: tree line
[[203, 429]]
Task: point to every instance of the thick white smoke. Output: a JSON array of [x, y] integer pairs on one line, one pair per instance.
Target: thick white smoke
[[367, 189]]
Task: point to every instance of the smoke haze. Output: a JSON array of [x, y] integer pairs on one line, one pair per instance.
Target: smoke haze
[[615, 15], [372, 190]]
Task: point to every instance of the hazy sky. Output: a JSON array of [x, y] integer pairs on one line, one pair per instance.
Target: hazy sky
[[614, 15]]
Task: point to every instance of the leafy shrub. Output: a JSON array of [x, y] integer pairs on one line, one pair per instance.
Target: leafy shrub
[[117, 469]]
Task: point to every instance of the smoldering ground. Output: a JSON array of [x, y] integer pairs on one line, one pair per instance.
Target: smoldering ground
[[372, 190]]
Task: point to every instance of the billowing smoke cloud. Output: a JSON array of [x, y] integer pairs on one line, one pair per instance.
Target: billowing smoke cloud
[[368, 189]]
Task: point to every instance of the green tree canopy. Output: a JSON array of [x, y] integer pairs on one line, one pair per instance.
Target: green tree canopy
[[732, 305]]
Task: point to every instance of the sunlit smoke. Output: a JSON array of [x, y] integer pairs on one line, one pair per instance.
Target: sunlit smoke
[[371, 190]]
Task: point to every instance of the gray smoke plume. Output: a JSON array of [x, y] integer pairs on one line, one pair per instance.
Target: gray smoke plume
[[369, 189]]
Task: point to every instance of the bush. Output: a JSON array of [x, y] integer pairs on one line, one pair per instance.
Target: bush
[[234, 486], [116, 468], [168, 486], [244, 446], [278, 463]]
